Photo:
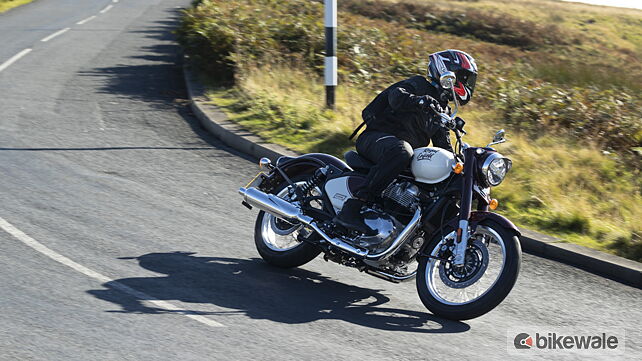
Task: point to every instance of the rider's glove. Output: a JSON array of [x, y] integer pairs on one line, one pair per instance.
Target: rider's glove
[[459, 123], [426, 103]]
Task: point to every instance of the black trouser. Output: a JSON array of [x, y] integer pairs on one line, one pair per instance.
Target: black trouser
[[391, 155]]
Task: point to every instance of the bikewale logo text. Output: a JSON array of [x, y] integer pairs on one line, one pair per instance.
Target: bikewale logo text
[[554, 341], [579, 341]]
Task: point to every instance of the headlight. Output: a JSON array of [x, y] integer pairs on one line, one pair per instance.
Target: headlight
[[495, 168]]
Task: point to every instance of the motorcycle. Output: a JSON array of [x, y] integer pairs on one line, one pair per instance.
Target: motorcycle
[[465, 261]]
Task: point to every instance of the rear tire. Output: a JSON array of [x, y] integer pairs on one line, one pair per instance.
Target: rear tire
[[294, 256]]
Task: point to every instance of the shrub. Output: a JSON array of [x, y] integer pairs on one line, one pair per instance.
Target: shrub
[[610, 118], [499, 28]]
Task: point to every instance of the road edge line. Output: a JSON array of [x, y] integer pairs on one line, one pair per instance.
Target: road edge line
[[46, 251], [14, 58]]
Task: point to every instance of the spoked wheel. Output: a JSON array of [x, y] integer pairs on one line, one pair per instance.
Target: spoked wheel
[[277, 240], [490, 269]]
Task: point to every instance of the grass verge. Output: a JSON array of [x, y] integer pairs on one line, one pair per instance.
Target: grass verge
[[576, 193], [6, 5], [570, 100]]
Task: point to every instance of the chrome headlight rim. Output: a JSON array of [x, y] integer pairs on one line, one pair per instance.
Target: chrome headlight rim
[[485, 168]]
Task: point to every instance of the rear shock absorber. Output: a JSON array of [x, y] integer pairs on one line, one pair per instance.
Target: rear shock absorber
[[314, 181]]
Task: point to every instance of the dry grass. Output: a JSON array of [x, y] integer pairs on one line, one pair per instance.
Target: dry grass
[[6, 5], [577, 193], [562, 182]]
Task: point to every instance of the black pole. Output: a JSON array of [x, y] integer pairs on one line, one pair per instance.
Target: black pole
[[330, 73]]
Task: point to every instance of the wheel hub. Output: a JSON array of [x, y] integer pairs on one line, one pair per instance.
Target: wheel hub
[[282, 227], [475, 264]]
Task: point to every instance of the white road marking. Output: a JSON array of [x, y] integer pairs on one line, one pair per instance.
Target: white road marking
[[26, 239], [13, 59], [60, 32], [106, 9], [84, 21], [115, 1]]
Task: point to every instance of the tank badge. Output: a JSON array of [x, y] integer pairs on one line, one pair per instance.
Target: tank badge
[[340, 196], [426, 154]]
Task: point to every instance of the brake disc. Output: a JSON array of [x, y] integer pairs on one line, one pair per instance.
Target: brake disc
[[475, 265]]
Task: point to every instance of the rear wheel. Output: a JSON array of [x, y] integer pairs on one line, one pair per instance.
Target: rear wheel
[[491, 267], [277, 240]]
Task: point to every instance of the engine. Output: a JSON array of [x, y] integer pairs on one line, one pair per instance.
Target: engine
[[400, 200], [404, 198]]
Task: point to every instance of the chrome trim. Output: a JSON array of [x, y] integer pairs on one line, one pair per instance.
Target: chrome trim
[[489, 159], [274, 205], [339, 243], [265, 163], [432, 263], [400, 240], [284, 209], [391, 278]]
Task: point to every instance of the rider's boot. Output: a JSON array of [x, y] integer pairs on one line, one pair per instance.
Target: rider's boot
[[350, 217]]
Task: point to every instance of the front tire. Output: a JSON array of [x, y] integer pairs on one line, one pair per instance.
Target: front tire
[[459, 296], [276, 240]]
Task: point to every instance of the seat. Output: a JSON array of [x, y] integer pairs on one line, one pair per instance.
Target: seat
[[356, 161]]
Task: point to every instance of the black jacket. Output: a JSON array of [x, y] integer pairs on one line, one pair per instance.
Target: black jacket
[[399, 114]]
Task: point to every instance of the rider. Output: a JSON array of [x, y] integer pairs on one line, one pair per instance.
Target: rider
[[402, 118]]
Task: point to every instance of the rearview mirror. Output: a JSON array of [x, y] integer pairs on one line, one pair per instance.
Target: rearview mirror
[[498, 137], [447, 80]]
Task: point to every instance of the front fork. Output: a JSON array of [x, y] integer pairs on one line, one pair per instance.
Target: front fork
[[463, 232]]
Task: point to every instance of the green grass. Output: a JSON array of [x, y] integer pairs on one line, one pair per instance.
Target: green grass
[[6, 5], [571, 110], [576, 193]]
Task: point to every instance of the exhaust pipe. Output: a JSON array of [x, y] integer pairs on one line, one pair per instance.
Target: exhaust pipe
[[390, 277], [283, 209], [274, 205]]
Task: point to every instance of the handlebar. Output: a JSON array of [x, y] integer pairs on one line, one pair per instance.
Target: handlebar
[[450, 122]]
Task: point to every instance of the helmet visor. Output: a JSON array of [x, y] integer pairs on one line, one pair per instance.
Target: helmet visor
[[467, 78]]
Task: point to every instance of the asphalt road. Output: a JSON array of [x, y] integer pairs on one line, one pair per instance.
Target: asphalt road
[[122, 236]]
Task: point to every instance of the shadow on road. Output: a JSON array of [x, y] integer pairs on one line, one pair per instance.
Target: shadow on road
[[259, 291], [153, 75]]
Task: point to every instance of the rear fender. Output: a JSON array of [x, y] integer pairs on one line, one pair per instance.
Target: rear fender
[[295, 165], [307, 163]]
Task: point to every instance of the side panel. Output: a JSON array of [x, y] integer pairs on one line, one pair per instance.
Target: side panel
[[341, 189], [338, 192]]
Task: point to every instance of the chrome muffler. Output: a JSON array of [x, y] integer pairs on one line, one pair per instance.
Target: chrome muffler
[[281, 208], [274, 205]]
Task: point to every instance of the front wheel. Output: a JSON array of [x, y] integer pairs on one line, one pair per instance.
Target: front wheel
[[277, 241], [492, 263]]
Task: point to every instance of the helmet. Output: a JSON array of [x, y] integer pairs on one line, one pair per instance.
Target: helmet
[[460, 63]]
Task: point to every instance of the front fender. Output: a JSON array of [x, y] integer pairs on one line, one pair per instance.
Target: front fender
[[480, 216]]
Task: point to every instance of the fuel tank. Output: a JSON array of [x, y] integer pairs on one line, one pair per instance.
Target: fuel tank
[[431, 165]]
